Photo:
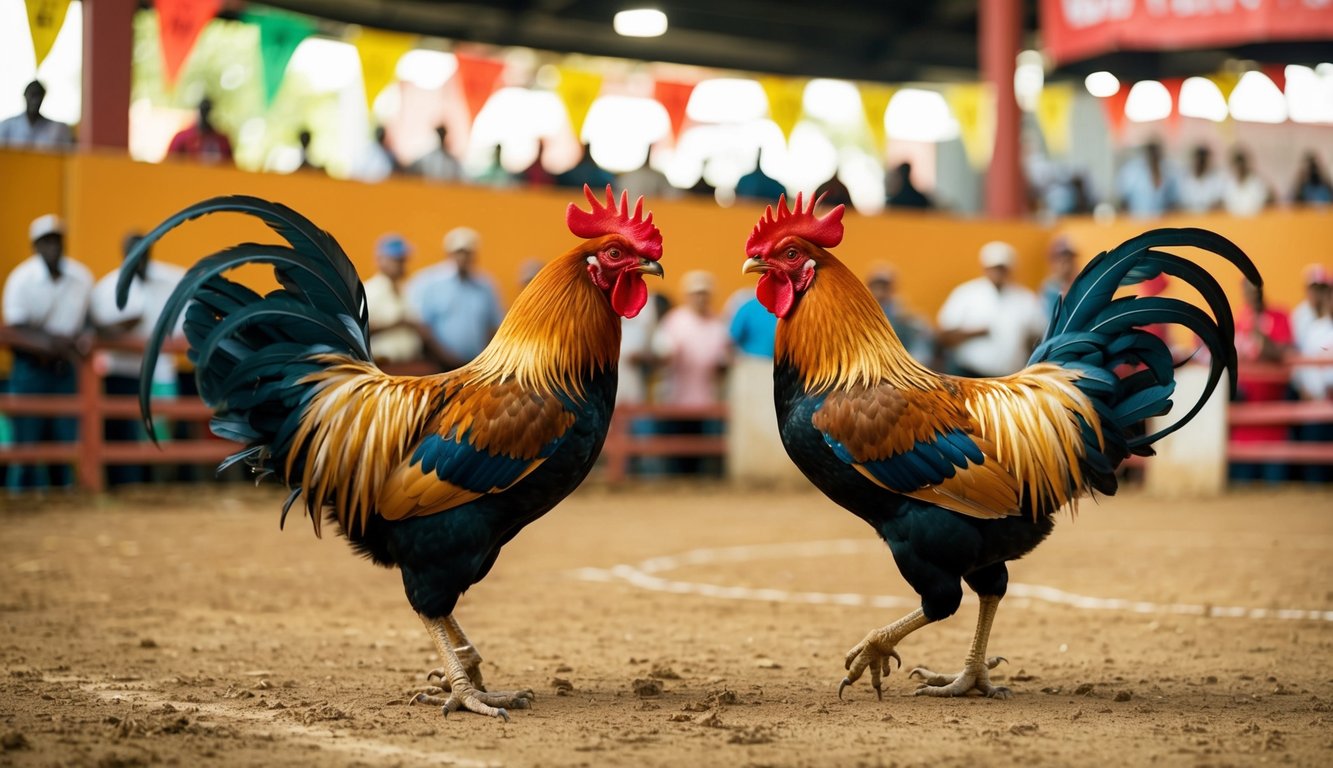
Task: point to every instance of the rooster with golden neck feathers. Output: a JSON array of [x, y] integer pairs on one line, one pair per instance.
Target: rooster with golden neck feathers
[[959, 476], [432, 475]]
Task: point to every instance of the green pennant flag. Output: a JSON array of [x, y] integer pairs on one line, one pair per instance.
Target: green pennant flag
[[279, 35]]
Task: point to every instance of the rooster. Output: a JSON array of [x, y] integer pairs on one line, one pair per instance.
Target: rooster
[[960, 476], [434, 474]]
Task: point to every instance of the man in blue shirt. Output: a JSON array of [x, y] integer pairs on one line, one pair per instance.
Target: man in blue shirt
[[753, 329], [458, 303]]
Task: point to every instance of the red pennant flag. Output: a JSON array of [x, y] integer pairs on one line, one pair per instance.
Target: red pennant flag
[[477, 76], [1173, 86], [1115, 110], [1278, 74], [675, 97], [179, 23]]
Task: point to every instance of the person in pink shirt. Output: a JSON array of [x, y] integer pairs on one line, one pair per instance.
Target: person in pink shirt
[[202, 142], [694, 350]]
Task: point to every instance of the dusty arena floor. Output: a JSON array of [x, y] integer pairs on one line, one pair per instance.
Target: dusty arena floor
[[671, 626]]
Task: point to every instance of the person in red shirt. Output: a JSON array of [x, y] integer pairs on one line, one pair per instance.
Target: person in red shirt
[[1263, 335], [202, 142]]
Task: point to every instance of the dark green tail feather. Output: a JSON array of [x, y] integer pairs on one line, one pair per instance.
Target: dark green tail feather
[[1094, 332], [251, 351]]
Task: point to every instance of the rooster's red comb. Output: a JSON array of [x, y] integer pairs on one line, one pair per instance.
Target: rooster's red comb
[[611, 219], [824, 231]]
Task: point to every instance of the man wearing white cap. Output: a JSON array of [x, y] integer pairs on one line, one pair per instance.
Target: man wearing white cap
[[46, 306], [455, 301], [990, 323]]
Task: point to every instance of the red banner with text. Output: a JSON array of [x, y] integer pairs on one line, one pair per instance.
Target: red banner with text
[[1078, 29]]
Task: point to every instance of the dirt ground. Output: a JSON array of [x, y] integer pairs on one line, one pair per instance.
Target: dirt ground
[[661, 626]]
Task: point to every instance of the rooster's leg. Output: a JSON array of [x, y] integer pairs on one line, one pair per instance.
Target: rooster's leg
[[462, 693], [877, 649], [467, 653], [976, 670]]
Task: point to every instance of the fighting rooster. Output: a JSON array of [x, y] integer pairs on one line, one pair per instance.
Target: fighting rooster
[[960, 476], [433, 474]]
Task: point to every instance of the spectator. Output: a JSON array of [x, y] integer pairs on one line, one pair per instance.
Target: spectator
[[834, 191], [152, 286], [1148, 186], [30, 129], [702, 188], [1201, 189], [377, 162], [1062, 266], [1316, 279], [902, 193], [305, 138], [536, 175], [586, 171], [753, 329], [1245, 193], [1263, 335], [1314, 339], [395, 330], [647, 181], [45, 303], [495, 174], [527, 270], [457, 303], [758, 185], [202, 142], [439, 164], [691, 341], [991, 324], [913, 331], [1312, 186]]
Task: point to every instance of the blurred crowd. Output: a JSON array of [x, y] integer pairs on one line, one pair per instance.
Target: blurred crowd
[[1150, 183]]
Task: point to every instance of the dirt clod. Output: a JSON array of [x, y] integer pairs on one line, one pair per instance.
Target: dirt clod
[[645, 687]]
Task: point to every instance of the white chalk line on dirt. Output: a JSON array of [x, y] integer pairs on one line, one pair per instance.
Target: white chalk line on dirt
[[645, 575], [324, 738]]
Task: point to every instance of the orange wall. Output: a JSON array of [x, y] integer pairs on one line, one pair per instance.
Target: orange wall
[[105, 197]]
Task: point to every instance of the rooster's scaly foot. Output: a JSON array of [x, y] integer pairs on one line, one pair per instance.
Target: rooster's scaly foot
[[491, 704], [873, 653], [974, 677]]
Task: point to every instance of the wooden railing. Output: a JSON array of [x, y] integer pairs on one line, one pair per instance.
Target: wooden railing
[[622, 445], [1285, 413], [92, 453]]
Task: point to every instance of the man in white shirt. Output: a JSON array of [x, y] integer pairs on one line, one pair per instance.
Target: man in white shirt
[[45, 305], [395, 326], [1201, 189], [991, 324], [152, 286], [30, 129], [1246, 194]]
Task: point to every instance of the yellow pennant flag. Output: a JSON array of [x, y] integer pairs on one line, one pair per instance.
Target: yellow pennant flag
[[875, 102], [45, 18], [379, 52], [786, 97], [974, 108], [1225, 82], [578, 89], [1055, 108]]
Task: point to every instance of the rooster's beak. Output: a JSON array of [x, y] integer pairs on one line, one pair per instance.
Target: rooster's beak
[[649, 267], [754, 264]]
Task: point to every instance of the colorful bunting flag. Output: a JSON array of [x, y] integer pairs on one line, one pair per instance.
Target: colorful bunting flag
[[786, 99], [973, 107], [675, 97], [1114, 108], [45, 18], [477, 77], [179, 23], [379, 52], [279, 35], [577, 90], [1055, 108], [1173, 86], [875, 103]]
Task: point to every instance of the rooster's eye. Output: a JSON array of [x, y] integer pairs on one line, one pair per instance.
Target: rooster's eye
[[792, 254], [614, 253]]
